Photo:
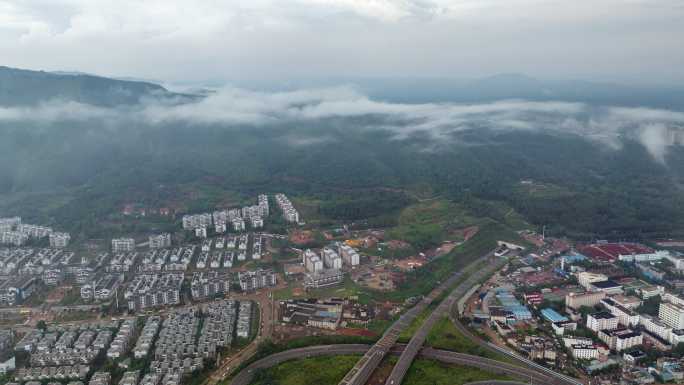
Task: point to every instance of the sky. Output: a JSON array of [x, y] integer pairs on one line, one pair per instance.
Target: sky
[[192, 41]]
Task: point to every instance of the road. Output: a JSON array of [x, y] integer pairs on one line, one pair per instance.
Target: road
[[529, 376], [267, 315], [496, 382], [418, 339], [363, 369]]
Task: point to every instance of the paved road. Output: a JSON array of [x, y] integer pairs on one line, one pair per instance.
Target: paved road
[[418, 339], [267, 315], [245, 376], [496, 382], [363, 369], [530, 376]]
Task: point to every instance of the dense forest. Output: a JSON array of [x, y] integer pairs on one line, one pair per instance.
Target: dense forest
[[75, 175], [74, 172]]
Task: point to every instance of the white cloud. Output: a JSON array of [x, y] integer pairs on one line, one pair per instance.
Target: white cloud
[[232, 106], [182, 40]]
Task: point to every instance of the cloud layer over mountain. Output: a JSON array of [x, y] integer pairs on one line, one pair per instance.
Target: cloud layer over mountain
[[237, 107]]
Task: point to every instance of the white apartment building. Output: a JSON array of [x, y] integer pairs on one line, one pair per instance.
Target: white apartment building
[[238, 224], [676, 260], [14, 238], [160, 241], [349, 255], [577, 300], [263, 205], [584, 352], [672, 314], [12, 221], [191, 222], [34, 231], [646, 257], [625, 316], [655, 326], [602, 321], [220, 227], [620, 339], [331, 259], [586, 278], [201, 232], [256, 222], [289, 212], [312, 262], [123, 245], [669, 297], [59, 240]]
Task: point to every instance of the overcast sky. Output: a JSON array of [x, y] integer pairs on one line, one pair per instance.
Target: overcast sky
[[194, 40]]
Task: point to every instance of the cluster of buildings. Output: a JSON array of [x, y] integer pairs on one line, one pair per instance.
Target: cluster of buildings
[[290, 214], [175, 345], [188, 337], [14, 232], [171, 260], [123, 245], [228, 249], [325, 314], [103, 289], [23, 269], [64, 353], [124, 339], [208, 284], [256, 279], [121, 262], [159, 241], [153, 290], [168, 260], [236, 218], [326, 269], [593, 306]]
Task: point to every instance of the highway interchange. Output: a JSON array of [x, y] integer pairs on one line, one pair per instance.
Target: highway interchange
[[527, 375], [373, 355]]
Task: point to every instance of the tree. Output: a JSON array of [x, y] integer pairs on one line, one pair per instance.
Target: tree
[[41, 325]]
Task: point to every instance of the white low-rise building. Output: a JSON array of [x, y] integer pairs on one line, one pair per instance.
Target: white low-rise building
[[584, 352], [602, 321]]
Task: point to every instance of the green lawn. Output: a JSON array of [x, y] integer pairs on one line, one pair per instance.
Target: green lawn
[[307, 371], [427, 372]]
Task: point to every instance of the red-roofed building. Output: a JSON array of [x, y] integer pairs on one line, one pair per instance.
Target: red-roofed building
[[609, 252]]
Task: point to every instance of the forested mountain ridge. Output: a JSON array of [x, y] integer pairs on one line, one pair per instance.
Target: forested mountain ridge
[[23, 87], [77, 169]]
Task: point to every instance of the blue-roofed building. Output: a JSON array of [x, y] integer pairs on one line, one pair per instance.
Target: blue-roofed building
[[511, 304], [552, 315], [574, 257]]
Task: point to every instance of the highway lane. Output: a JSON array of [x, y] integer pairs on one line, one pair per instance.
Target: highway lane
[[496, 382], [245, 376], [364, 368], [530, 376], [418, 339]]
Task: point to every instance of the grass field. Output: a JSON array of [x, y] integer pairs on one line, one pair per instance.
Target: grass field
[[444, 335], [307, 371], [406, 335], [427, 372]]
